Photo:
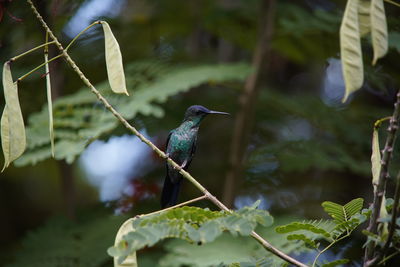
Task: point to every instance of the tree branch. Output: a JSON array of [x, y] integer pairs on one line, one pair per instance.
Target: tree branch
[[160, 153], [383, 176]]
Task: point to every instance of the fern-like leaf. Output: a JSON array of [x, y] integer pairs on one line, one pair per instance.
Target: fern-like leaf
[[341, 214], [188, 223], [301, 237], [310, 226]]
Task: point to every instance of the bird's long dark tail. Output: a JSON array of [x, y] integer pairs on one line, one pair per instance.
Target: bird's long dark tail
[[169, 196]]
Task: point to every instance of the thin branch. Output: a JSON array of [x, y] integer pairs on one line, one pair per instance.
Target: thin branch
[[393, 3], [383, 176], [79, 34], [388, 257], [38, 67], [329, 246], [394, 215], [174, 207], [184, 173], [31, 50]]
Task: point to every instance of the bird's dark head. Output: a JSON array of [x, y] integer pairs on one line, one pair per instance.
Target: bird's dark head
[[196, 113]]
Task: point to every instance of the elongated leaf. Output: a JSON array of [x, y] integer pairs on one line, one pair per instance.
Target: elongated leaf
[[12, 123], [375, 158], [350, 49], [115, 68], [49, 103], [379, 32], [5, 137], [364, 18]]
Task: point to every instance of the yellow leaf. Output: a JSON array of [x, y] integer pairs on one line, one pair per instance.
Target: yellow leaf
[[350, 49], [130, 261], [12, 123], [49, 103], [364, 18], [115, 68], [379, 32], [375, 159], [5, 138]]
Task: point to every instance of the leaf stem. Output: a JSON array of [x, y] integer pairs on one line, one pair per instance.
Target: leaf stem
[[173, 207], [38, 67], [160, 153], [327, 247], [31, 50], [82, 32], [393, 3], [378, 123]]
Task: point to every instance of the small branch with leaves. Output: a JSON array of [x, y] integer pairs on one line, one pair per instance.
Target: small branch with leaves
[[380, 173], [116, 79]]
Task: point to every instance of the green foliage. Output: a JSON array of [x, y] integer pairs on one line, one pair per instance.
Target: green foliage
[[335, 263], [192, 224], [228, 250], [345, 219], [70, 244], [79, 118], [326, 145], [341, 214]]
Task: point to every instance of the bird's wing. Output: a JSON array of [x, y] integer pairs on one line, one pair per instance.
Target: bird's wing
[[193, 150], [166, 143]]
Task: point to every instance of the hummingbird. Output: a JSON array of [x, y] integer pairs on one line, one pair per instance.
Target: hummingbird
[[180, 147]]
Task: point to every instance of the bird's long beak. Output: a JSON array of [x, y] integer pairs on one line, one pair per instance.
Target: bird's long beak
[[218, 112]]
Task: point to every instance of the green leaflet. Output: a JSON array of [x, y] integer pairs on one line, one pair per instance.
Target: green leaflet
[[375, 158], [350, 49], [13, 137], [342, 214], [364, 18], [312, 226], [49, 103], [379, 32], [115, 68]]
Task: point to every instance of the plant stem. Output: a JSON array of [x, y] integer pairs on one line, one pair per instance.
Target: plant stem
[[383, 176], [38, 67], [31, 50], [173, 207], [378, 123], [393, 3], [327, 247], [160, 153], [394, 215], [79, 34]]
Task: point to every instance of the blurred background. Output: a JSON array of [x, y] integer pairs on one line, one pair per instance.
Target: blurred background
[[274, 65]]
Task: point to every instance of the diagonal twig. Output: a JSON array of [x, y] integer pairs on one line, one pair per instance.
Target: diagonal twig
[[160, 153]]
